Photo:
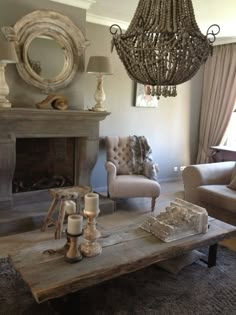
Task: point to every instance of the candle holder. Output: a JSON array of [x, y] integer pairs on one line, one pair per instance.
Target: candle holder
[[73, 254], [67, 244], [90, 247]]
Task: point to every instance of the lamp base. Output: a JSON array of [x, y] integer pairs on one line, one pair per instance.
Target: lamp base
[[4, 89], [98, 108]]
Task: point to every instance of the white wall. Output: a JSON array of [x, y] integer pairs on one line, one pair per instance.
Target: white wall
[[172, 128]]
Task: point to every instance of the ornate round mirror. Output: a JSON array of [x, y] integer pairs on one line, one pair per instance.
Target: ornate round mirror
[[46, 57], [49, 46]]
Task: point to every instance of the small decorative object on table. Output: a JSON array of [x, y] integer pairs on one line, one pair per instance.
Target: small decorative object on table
[[55, 101], [69, 208], [74, 230], [90, 247], [181, 219]]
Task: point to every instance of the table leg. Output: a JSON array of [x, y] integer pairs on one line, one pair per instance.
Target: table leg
[[212, 254], [49, 217], [60, 220]]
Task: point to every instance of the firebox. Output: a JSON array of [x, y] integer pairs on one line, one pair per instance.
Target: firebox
[[43, 163]]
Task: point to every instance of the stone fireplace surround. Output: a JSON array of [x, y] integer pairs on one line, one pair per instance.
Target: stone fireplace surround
[[34, 123]]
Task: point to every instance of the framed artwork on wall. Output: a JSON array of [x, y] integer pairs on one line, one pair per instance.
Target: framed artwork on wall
[[144, 96]]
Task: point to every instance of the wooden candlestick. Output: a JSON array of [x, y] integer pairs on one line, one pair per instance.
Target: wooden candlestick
[[90, 247], [73, 254]]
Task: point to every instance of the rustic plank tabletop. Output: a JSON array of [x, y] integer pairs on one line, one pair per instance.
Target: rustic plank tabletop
[[40, 259]]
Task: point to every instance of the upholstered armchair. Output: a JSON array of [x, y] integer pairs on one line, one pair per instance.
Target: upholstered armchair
[[131, 172]]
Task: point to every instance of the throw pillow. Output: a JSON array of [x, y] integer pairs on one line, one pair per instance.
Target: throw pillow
[[232, 184]]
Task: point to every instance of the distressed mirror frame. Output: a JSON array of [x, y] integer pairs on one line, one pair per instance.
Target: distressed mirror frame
[[51, 24]]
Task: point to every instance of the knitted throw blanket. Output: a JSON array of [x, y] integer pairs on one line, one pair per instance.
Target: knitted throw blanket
[[141, 159]]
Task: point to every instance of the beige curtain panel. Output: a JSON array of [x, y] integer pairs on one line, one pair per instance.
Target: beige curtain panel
[[218, 99]]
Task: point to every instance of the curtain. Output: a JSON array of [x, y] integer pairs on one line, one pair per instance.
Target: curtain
[[218, 99]]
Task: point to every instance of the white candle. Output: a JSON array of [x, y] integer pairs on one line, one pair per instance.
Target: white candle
[[70, 206], [75, 224], [91, 202]]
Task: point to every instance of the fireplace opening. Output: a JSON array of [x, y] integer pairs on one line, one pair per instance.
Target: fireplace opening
[[43, 163]]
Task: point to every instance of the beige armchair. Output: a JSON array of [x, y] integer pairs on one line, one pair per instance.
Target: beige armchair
[[131, 172]]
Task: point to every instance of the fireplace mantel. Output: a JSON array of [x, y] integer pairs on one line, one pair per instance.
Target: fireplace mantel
[[30, 123], [38, 123]]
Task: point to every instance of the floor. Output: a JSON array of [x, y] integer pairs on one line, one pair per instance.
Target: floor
[[126, 211], [30, 216], [129, 210]]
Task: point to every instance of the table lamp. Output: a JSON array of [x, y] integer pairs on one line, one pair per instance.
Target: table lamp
[[99, 65], [7, 55]]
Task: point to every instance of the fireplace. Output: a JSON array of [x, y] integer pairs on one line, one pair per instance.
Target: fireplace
[[58, 133], [43, 163]]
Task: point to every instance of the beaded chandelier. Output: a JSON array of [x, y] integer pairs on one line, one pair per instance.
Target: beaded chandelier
[[163, 45]]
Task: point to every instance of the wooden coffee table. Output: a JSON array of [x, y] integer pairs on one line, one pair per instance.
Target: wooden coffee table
[[125, 250]]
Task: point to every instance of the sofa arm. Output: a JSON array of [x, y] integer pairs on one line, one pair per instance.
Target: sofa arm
[[208, 174], [205, 174]]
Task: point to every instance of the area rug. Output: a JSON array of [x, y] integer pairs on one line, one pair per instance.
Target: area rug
[[193, 291]]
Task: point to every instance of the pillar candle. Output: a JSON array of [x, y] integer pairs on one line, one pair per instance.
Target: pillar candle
[[91, 202], [70, 207], [75, 224]]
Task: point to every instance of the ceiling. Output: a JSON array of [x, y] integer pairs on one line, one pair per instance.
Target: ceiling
[[207, 12]]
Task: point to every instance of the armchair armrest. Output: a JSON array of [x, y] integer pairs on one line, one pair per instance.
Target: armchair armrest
[[111, 175], [205, 174], [111, 169]]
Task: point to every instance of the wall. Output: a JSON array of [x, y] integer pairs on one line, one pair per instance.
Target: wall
[[22, 94], [172, 127]]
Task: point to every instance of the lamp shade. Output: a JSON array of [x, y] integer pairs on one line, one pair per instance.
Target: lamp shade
[[99, 64], [7, 52]]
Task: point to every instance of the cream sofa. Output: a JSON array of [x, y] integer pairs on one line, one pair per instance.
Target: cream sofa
[[207, 185]]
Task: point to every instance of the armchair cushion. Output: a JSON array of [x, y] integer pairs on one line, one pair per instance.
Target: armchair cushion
[[218, 196], [126, 186]]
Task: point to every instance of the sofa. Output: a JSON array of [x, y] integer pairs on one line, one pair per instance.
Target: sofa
[[212, 186]]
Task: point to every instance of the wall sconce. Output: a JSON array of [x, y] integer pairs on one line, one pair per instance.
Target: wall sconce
[[99, 65], [7, 55]]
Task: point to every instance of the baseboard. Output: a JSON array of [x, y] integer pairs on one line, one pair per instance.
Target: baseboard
[[170, 179], [100, 189]]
